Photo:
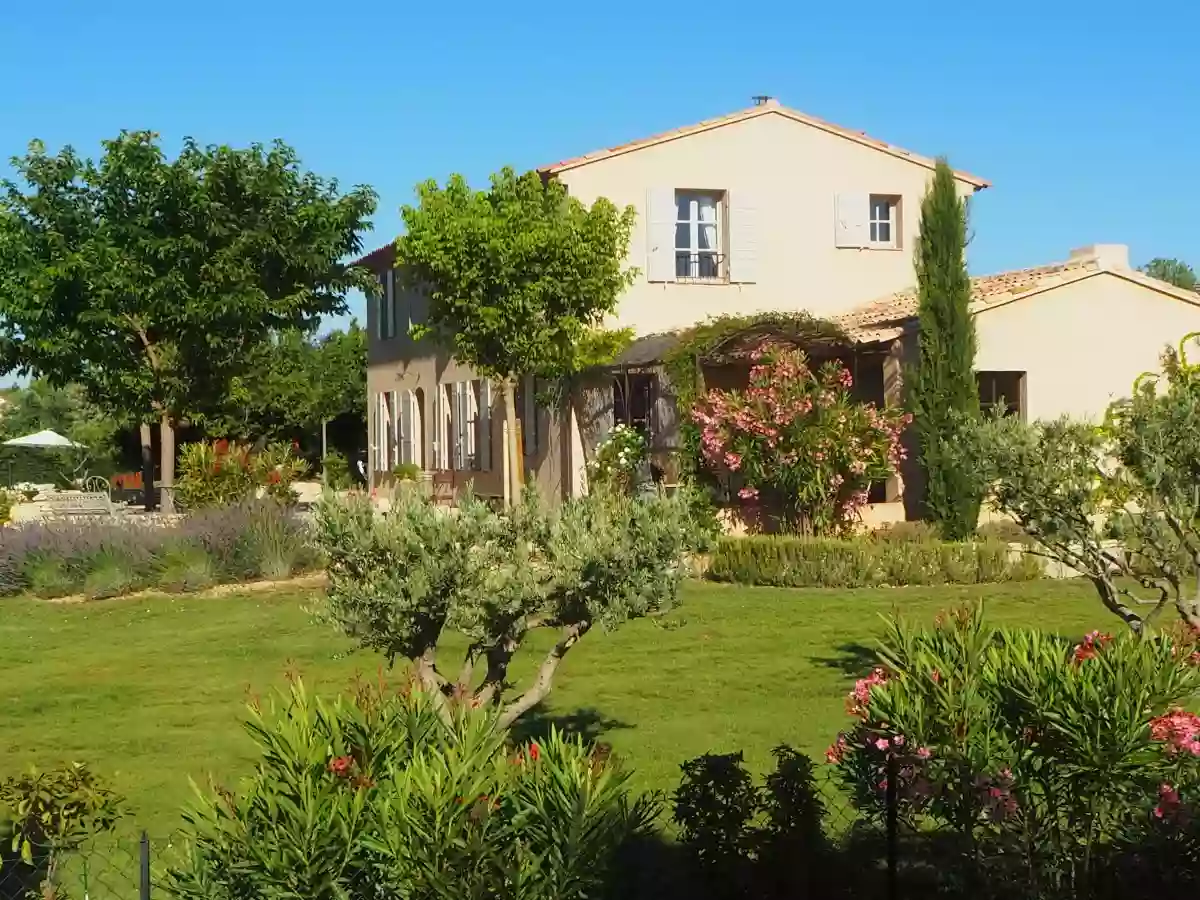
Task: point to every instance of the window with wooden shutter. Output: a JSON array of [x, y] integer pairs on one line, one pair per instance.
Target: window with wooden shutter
[[850, 220], [660, 234], [407, 427], [377, 305], [483, 424], [743, 237]]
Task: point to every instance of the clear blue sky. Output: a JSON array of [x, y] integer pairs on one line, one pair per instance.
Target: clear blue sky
[[1085, 117]]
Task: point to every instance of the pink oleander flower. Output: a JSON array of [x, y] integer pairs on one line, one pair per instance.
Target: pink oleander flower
[[882, 744], [858, 699], [836, 750], [924, 752], [1179, 730], [748, 493]]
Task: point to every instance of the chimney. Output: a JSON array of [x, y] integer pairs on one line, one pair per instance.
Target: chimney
[[764, 100], [1107, 256]]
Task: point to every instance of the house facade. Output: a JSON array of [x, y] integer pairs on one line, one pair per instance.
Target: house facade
[[765, 209]]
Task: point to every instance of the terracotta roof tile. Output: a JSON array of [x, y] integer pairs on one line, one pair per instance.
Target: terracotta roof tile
[[987, 291], [769, 108]]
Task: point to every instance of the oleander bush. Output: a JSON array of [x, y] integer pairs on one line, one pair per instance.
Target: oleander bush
[[794, 561], [386, 793], [1043, 766], [256, 539]]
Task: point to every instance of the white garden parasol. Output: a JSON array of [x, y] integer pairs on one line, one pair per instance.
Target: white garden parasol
[[45, 438]]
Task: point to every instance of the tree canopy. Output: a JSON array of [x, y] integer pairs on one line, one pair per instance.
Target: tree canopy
[[150, 281], [519, 278], [295, 383], [1174, 271]]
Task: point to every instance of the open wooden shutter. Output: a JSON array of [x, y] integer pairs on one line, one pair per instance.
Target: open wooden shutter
[[390, 306], [660, 234], [743, 237], [483, 425], [406, 427], [851, 221]]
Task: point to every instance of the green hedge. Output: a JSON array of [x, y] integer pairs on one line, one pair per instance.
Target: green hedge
[[786, 561]]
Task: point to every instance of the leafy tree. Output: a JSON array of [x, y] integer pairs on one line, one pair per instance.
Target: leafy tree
[[1174, 271], [149, 281], [1118, 503], [66, 410], [399, 582], [941, 386], [519, 277], [296, 383]]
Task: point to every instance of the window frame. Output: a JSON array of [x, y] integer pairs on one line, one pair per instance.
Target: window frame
[[694, 251], [990, 378], [893, 221]]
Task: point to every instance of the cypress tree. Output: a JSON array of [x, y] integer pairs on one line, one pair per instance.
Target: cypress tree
[[942, 389]]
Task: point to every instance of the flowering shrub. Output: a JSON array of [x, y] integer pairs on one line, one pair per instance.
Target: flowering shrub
[[379, 794], [1005, 739], [618, 459], [798, 442], [223, 473]]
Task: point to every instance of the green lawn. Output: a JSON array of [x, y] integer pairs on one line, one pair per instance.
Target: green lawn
[[151, 691]]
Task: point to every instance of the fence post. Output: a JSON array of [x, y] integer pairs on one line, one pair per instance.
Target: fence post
[[144, 868], [893, 890]]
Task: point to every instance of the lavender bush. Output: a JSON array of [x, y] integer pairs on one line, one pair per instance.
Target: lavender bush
[[247, 541]]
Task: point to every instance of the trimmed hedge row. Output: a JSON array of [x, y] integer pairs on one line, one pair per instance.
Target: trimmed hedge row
[[788, 561]]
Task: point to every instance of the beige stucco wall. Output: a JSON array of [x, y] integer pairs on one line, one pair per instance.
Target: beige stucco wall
[[401, 364], [1082, 344], [793, 172]]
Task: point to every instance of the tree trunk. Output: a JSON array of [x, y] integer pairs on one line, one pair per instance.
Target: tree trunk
[[147, 439], [542, 682], [166, 433], [515, 461]]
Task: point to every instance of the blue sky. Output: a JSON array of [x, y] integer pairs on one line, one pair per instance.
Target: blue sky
[[1086, 118]]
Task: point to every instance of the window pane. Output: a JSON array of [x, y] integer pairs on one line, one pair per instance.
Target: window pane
[[683, 265], [707, 208], [885, 233], [706, 235], [874, 232], [683, 207], [683, 237], [881, 209], [706, 264]]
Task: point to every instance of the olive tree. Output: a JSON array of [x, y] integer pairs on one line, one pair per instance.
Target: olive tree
[[398, 582], [1118, 502]]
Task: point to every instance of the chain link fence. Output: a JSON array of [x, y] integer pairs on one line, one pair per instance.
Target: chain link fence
[[124, 866]]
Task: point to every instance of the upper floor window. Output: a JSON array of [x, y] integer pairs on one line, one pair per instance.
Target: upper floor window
[[698, 235], [884, 225], [385, 319], [867, 221]]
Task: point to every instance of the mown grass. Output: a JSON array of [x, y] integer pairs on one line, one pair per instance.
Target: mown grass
[[151, 691]]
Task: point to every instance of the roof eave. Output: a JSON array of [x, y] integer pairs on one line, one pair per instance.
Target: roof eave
[[566, 165]]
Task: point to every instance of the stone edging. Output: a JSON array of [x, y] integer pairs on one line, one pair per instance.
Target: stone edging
[[312, 579]]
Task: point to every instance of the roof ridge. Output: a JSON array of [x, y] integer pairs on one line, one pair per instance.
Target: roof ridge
[[772, 108]]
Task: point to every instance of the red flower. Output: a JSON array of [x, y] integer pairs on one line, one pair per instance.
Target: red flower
[[341, 766], [534, 751], [1092, 644]]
